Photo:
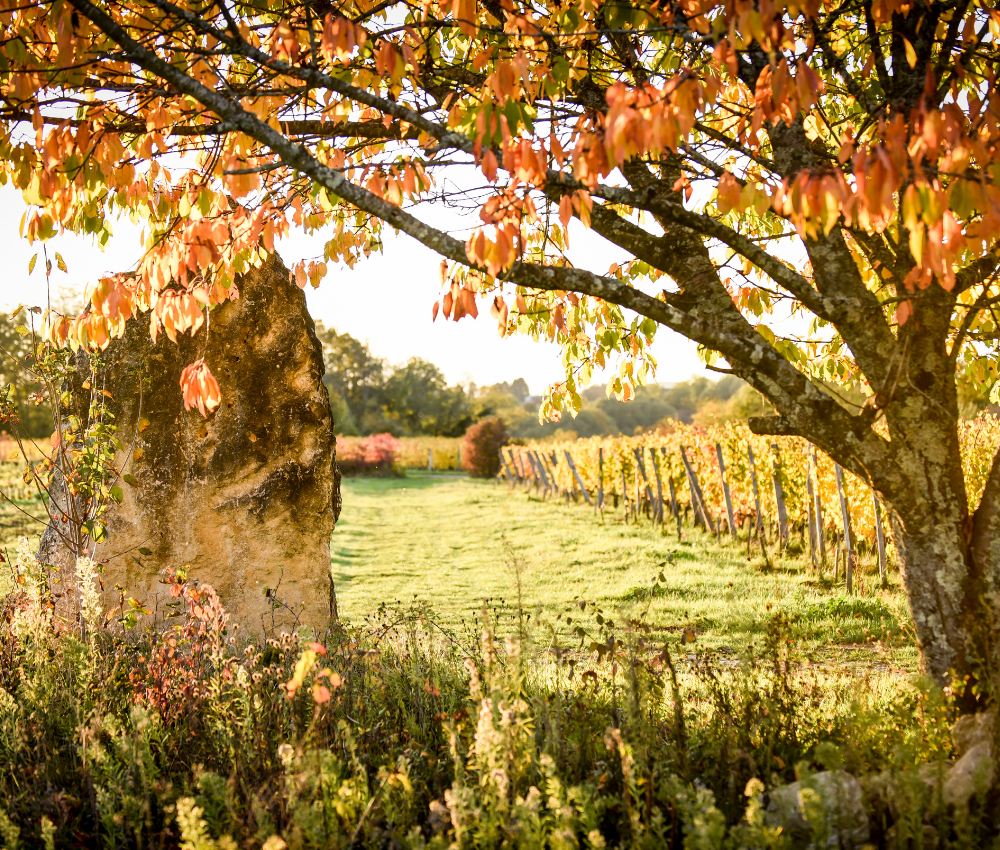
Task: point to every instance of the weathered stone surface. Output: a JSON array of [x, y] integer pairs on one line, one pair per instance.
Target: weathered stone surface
[[972, 729], [975, 771], [825, 810], [247, 497]]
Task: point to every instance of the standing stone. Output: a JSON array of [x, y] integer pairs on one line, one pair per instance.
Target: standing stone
[[245, 499]]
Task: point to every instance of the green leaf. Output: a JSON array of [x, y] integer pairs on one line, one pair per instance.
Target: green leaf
[[96, 530], [130, 479], [117, 494]]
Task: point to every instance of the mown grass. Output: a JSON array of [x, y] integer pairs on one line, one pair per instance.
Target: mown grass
[[456, 543]]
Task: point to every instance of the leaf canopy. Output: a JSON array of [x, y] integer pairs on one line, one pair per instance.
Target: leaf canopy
[[826, 167]]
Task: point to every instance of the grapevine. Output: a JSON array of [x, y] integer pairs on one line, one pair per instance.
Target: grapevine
[[608, 465]]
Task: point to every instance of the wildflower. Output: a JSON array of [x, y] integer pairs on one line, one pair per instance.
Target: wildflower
[[90, 599], [30, 618]]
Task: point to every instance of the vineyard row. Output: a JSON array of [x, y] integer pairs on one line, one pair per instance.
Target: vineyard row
[[725, 478]]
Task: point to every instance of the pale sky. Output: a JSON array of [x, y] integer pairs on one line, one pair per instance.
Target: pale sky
[[385, 301]]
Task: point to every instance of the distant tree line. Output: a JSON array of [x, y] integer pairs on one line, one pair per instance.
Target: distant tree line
[[368, 396]]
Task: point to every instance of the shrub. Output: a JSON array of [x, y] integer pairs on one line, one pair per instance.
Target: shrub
[[374, 455], [481, 449]]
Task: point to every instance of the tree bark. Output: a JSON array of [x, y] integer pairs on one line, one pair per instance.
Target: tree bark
[[951, 591]]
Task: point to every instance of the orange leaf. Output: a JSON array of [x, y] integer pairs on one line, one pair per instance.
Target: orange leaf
[[200, 388], [490, 166], [565, 210]]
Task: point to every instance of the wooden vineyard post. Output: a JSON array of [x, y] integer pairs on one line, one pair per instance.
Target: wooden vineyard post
[[549, 474], [576, 475], [730, 519], [550, 470], [571, 491], [756, 492], [779, 498], [430, 460], [818, 509], [675, 511], [696, 516], [510, 473], [543, 471], [645, 480], [536, 478], [513, 463], [846, 516], [540, 481], [625, 494], [542, 474], [811, 514], [883, 573], [697, 499], [658, 512], [759, 516], [550, 481], [600, 479], [458, 457], [519, 463], [664, 458]]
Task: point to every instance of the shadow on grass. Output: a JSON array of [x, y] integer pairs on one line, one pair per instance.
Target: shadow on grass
[[411, 481]]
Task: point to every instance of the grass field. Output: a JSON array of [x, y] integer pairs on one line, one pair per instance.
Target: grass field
[[455, 543], [21, 514]]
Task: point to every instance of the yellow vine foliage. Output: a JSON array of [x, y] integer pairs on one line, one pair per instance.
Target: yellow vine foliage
[[784, 458]]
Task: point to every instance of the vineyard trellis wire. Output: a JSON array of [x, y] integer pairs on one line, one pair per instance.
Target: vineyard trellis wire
[[777, 486]]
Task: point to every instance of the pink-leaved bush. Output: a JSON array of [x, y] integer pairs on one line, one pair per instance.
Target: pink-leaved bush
[[374, 455]]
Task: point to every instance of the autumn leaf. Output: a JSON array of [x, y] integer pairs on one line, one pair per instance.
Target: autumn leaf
[[200, 388]]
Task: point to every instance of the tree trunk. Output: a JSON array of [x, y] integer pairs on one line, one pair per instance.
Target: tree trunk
[[949, 590]]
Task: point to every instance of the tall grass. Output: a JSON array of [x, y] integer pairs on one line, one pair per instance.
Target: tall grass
[[521, 730]]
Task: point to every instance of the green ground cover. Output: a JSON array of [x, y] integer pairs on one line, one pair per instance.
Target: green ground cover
[[431, 724], [456, 543]]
